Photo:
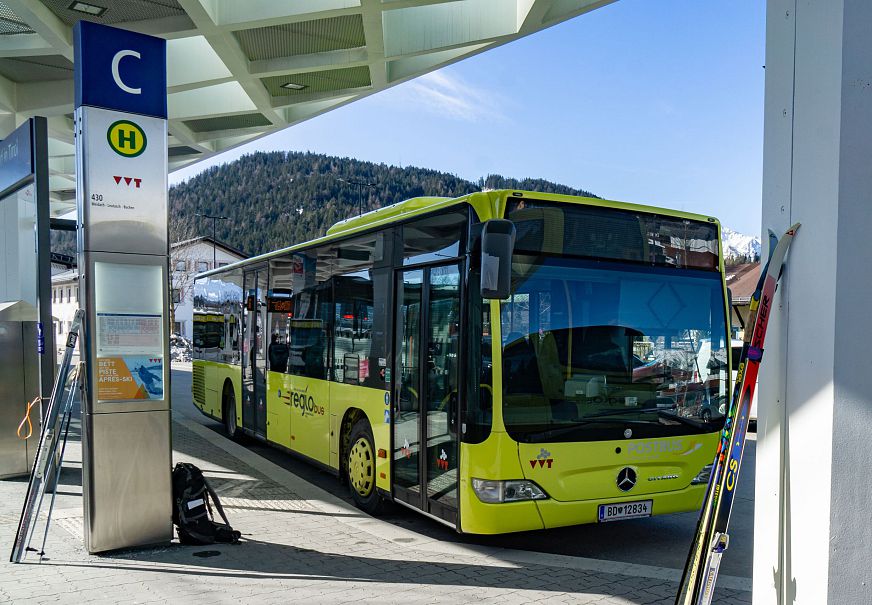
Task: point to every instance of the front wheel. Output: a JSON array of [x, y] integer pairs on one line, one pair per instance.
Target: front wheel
[[360, 469]]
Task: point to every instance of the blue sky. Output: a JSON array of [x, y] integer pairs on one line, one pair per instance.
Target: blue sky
[[649, 102]]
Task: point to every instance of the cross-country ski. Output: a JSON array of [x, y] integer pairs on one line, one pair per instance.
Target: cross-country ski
[[711, 539]]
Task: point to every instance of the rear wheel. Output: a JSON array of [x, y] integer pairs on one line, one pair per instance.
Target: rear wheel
[[360, 469], [228, 412]]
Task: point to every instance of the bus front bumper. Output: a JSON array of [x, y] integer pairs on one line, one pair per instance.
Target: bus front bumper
[[547, 514], [561, 514]]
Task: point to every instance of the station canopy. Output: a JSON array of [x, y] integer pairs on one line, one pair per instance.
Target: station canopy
[[241, 69]]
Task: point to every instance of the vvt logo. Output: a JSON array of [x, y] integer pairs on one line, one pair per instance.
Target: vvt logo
[[442, 461], [542, 458], [128, 180]]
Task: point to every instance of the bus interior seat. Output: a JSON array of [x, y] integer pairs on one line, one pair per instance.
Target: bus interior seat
[[551, 375]]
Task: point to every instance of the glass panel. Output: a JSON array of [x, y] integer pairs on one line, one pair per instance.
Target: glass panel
[[592, 346], [353, 328], [299, 305], [217, 318], [260, 350], [407, 409], [17, 221], [442, 357], [624, 235], [434, 238], [478, 416]]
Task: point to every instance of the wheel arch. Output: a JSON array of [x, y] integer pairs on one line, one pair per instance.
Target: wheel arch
[[225, 387], [349, 419]]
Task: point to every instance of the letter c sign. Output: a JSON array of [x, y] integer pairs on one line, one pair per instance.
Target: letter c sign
[[116, 61], [120, 70]]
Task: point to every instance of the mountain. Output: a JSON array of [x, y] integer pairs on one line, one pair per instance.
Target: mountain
[[739, 247], [276, 199]]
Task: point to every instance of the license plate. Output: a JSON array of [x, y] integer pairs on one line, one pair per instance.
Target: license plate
[[625, 510]]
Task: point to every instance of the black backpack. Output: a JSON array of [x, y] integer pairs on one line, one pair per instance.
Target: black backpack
[[192, 509]]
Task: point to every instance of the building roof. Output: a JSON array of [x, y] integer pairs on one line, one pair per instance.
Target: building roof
[[65, 276], [238, 70], [208, 240], [742, 280]]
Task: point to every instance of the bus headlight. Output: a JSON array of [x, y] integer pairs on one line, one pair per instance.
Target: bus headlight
[[703, 476], [490, 491]]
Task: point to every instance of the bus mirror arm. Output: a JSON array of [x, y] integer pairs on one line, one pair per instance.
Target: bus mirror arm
[[497, 244]]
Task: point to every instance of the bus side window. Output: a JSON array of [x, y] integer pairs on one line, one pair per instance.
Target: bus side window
[[478, 414], [309, 317], [353, 327]]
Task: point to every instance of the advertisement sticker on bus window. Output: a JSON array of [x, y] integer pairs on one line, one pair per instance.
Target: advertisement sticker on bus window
[[387, 374]]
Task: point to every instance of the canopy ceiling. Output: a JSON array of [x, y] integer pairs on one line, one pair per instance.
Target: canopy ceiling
[[240, 69]]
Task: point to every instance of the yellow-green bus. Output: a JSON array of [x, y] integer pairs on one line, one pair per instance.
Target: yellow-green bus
[[503, 361]]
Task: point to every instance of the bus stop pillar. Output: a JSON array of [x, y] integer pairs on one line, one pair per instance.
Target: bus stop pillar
[[121, 138], [812, 528]]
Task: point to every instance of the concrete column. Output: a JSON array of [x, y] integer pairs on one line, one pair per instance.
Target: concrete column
[[813, 525]]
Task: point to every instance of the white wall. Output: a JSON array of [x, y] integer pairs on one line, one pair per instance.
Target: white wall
[[812, 533], [61, 309]]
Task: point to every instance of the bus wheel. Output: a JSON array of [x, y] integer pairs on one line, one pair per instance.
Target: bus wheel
[[228, 412], [360, 468]]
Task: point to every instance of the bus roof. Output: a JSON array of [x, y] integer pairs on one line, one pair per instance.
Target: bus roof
[[488, 203]]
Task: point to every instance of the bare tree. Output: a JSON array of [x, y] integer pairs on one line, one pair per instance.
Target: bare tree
[[182, 262]]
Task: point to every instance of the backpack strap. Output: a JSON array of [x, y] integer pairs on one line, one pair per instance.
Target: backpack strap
[[217, 502]]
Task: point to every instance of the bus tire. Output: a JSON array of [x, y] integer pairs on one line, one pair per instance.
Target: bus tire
[[360, 469], [228, 411]]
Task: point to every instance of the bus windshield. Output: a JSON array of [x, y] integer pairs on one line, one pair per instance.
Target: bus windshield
[[594, 349]]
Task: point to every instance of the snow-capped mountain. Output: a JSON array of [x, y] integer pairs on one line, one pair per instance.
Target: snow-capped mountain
[[736, 244]]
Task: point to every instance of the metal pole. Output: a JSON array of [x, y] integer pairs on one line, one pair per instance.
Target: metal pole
[[214, 218]]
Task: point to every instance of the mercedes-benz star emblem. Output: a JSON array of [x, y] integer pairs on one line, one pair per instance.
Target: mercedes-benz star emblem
[[626, 479], [628, 433]]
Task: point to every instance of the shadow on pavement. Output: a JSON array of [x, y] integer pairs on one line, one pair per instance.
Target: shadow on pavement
[[253, 559]]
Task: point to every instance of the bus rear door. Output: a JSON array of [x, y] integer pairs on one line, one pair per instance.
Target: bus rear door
[[254, 352]]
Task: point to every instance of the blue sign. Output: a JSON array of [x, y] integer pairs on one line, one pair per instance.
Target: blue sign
[[15, 156], [120, 70]]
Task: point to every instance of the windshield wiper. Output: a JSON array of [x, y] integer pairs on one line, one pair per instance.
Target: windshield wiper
[[568, 428], [603, 418], [665, 412]]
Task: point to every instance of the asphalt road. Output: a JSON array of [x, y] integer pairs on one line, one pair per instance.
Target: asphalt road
[[661, 540]]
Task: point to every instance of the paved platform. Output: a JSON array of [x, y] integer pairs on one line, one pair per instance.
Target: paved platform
[[303, 544]]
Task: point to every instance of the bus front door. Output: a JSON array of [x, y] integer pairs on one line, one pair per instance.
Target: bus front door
[[254, 353], [425, 454]]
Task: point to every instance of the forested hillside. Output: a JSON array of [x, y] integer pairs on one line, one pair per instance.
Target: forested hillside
[[278, 199]]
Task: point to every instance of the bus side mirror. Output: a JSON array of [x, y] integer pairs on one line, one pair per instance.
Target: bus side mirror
[[497, 244]]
